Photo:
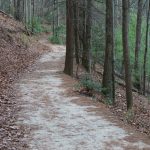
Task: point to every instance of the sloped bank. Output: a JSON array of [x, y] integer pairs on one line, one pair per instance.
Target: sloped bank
[[17, 53]]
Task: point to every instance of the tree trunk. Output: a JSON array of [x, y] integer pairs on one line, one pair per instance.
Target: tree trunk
[[125, 29], [108, 75], [138, 44], [83, 18], [53, 17], [86, 56], [69, 39], [18, 10], [138, 33], [33, 14], [76, 28], [57, 2], [146, 49]]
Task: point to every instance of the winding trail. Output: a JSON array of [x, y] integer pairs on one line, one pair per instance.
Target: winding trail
[[59, 121]]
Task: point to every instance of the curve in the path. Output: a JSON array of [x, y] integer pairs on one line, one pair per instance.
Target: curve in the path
[[56, 122]]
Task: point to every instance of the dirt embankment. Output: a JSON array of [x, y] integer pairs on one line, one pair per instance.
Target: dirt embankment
[[17, 52]]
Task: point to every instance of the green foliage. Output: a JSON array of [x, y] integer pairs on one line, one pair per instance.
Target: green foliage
[[54, 39], [108, 101], [136, 76], [118, 49], [105, 91], [46, 29], [118, 43], [98, 47], [108, 98], [89, 84], [61, 30], [49, 17], [59, 36], [132, 35], [36, 25], [136, 80], [98, 42]]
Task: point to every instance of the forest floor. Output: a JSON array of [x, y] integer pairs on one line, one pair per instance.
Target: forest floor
[[59, 118], [18, 52]]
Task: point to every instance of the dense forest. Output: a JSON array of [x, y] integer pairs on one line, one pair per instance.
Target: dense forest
[[109, 38], [122, 31]]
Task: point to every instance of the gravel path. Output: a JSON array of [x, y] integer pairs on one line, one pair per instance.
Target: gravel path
[[57, 122]]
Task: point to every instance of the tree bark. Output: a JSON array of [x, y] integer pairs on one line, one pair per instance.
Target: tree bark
[[76, 28], [138, 45], [125, 29], [69, 39], [33, 14], [146, 50], [54, 17], [108, 74], [18, 10], [138, 34], [86, 55]]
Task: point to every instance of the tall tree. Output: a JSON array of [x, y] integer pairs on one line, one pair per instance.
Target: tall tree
[[138, 43], [87, 19], [18, 13], [108, 75], [125, 32], [146, 49], [57, 5], [76, 28], [69, 40], [138, 32], [33, 14], [88, 34], [54, 5]]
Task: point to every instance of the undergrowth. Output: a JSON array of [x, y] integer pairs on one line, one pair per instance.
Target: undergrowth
[[36, 26], [55, 39], [88, 84], [58, 36]]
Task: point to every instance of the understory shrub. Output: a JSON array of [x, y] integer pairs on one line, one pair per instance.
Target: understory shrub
[[54, 39], [89, 84], [59, 36], [38, 25], [35, 25]]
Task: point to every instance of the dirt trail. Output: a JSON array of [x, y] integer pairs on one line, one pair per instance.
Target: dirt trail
[[62, 122]]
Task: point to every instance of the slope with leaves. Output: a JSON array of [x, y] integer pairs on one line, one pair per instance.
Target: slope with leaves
[[17, 52]]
